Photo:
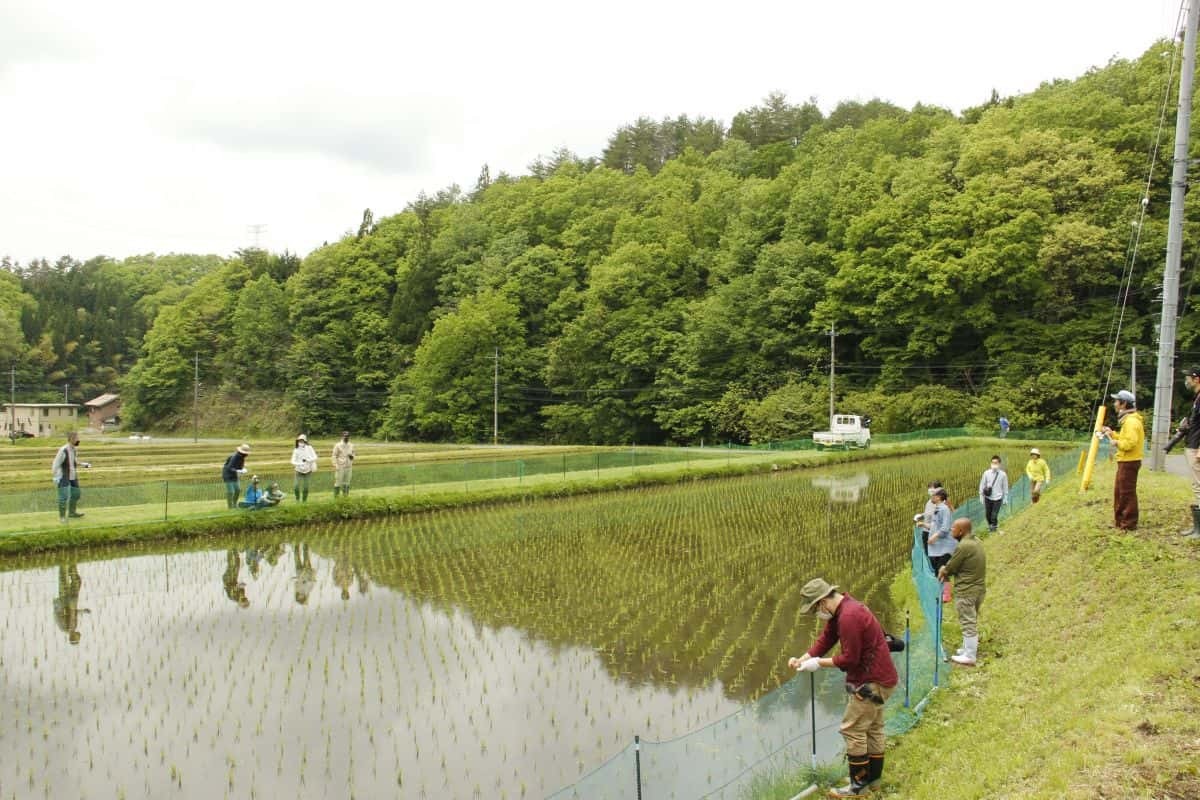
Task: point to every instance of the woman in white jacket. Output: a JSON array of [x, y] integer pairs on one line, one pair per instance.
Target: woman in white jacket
[[304, 460]]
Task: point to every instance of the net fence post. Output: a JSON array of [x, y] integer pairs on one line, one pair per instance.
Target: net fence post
[[937, 638], [907, 659], [637, 761], [166, 496], [812, 710]]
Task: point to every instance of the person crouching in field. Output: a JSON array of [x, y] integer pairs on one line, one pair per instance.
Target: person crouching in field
[[1038, 472], [870, 678], [968, 567]]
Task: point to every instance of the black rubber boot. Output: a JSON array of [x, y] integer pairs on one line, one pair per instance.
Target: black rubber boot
[[875, 772], [859, 769], [1194, 534]]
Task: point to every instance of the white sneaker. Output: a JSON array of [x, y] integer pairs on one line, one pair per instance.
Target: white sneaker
[[963, 660]]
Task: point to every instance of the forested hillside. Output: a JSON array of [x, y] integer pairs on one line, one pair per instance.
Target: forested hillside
[[681, 285]]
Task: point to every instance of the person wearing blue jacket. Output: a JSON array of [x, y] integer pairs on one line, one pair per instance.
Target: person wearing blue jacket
[[993, 491], [256, 496]]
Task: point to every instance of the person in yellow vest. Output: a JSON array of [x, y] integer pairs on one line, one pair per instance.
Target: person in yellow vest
[[1038, 472], [1130, 445]]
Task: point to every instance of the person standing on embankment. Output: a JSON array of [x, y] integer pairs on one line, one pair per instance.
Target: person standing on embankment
[[234, 466], [304, 460], [1192, 449], [1130, 444], [968, 566]]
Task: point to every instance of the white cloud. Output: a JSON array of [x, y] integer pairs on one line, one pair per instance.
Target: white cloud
[[137, 126]]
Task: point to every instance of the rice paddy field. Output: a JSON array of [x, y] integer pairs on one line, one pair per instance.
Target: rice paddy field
[[487, 652]]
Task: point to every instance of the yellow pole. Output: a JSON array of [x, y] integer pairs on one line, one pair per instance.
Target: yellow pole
[[1086, 482], [1082, 458]]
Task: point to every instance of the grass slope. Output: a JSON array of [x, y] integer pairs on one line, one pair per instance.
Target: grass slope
[[1089, 679]]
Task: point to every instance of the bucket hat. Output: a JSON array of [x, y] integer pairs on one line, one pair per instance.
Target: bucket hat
[[244, 449], [1035, 452], [815, 590]]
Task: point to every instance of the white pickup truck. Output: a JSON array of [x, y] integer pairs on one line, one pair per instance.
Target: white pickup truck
[[845, 431]]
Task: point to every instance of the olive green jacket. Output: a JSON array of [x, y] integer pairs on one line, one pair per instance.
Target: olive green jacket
[[968, 567]]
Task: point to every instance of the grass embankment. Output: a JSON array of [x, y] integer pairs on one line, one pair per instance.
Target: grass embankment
[[1089, 676], [127, 527]]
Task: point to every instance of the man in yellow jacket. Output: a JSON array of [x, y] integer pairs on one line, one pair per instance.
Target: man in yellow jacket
[[1130, 444]]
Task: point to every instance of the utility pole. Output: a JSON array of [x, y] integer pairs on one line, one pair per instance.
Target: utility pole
[[496, 397], [832, 333], [196, 402], [1165, 381], [256, 231]]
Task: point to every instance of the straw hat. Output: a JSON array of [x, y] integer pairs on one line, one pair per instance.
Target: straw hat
[[244, 449]]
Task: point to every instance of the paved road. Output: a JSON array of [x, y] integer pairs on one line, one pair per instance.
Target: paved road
[[1177, 465]]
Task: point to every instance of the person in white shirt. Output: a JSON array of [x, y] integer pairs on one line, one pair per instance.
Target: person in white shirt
[[304, 460], [993, 491]]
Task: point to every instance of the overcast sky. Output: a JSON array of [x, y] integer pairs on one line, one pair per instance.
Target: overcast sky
[[135, 127]]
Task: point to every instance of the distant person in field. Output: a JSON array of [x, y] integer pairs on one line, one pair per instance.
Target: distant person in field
[[343, 462], [66, 605], [234, 466], [993, 492], [1192, 448], [65, 472], [274, 494], [1130, 443], [1003, 426], [1038, 472], [235, 590], [870, 678], [304, 460], [968, 567]]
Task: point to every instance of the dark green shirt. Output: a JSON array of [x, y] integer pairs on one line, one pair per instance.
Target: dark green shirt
[[969, 567]]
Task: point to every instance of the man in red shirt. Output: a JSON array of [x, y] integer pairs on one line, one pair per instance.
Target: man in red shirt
[[870, 678]]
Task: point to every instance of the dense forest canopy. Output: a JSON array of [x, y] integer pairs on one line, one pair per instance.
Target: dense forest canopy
[[681, 286]]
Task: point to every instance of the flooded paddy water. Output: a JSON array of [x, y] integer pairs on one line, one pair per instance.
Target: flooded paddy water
[[499, 652]]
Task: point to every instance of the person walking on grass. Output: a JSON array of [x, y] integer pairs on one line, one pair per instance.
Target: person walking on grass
[[234, 466], [65, 472], [1192, 449], [343, 463], [993, 491], [870, 678], [968, 567], [304, 460], [1130, 444], [1038, 472]]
